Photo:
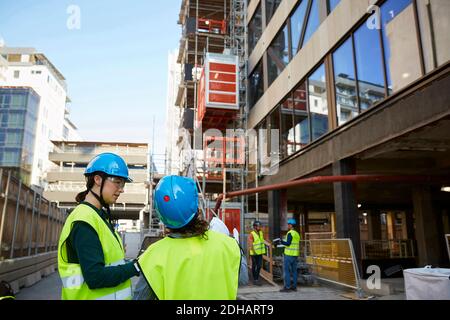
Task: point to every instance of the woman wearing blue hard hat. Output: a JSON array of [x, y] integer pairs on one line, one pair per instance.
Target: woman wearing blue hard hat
[[91, 257], [191, 262]]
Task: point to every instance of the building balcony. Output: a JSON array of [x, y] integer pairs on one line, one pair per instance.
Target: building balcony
[[76, 175]]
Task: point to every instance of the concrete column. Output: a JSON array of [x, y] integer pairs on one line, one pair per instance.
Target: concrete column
[[409, 221], [347, 219], [374, 225], [277, 212], [429, 231]]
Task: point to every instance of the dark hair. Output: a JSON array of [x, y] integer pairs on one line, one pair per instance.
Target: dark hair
[[197, 227], [89, 184]]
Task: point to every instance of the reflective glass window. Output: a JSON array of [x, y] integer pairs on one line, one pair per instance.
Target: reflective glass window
[[401, 48], [254, 29], [271, 7], [278, 54], [318, 103], [297, 21], [369, 66], [345, 83]]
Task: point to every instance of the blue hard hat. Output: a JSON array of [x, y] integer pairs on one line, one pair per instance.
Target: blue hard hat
[[292, 221], [176, 200], [109, 163]]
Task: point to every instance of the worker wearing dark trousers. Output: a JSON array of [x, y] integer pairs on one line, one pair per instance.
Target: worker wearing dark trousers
[[257, 249], [291, 253]]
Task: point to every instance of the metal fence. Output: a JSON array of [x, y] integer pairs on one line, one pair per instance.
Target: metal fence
[[320, 235], [333, 260], [29, 223], [388, 249]]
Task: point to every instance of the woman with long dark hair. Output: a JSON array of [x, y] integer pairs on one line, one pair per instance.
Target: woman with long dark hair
[[91, 256]]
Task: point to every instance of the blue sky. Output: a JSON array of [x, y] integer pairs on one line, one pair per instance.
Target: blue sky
[[115, 65]]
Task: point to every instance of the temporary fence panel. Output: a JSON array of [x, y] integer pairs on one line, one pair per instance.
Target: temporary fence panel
[[333, 260]]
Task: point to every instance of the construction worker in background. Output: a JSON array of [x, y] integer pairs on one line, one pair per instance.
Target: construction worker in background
[[91, 257], [191, 262], [257, 249], [291, 253]]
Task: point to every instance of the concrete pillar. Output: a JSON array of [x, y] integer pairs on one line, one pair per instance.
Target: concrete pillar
[[347, 218], [429, 231], [277, 212], [409, 221], [374, 225]]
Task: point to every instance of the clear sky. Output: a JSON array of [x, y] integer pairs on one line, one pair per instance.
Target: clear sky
[[115, 65]]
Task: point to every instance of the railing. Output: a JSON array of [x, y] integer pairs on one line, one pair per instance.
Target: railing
[[387, 249], [122, 150], [81, 186], [320, 235]]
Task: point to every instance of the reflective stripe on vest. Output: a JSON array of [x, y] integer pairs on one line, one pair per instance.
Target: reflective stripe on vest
[[74, 286], [294, 248], [258, 244], [193, 268]]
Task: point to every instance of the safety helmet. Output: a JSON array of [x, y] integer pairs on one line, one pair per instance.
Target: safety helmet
[[176, 200], [292, 221], [257, 223], [109, 163]]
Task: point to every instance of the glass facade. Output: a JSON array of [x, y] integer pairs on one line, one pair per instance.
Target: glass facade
[[318, 102], [297, 22], [254, 29], [271, 7], [369, 65], [256, 84], [18, 118], [401, 49], [278, 54], [345, 82]]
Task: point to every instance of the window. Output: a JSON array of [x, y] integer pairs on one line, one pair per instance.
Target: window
[[271, 7], [16, 74], [254, 29], [369, 66], [301, 119], [278, 54], [256, 80], [345, 83], [401, 50], [274, 129], [287, 127], [297, 22], [313, 21], [317, 90], [332, 4]]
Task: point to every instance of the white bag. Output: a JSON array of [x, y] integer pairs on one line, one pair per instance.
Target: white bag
[[427, 283]]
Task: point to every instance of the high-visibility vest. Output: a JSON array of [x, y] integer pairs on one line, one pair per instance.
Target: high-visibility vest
[[193, 268], [74, 286], [258, 244], [294, 248]]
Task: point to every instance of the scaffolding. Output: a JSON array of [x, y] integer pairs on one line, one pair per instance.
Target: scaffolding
[[218, 161]]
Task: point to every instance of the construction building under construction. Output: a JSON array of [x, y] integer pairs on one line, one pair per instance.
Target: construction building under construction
[[347, 97]]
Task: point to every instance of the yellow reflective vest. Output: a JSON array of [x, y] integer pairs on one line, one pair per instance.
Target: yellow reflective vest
[[74, 286], [258, 244], [294, 248], [193, 268]]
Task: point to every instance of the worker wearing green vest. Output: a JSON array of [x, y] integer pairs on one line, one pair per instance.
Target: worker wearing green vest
[[291, 253], [257, 249], [91, 257], [191, 262]]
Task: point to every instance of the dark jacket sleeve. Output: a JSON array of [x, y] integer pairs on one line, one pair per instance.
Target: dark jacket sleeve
[[288, 240], [89, 253]]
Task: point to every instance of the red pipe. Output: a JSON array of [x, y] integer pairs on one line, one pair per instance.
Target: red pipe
[[331, 179]]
